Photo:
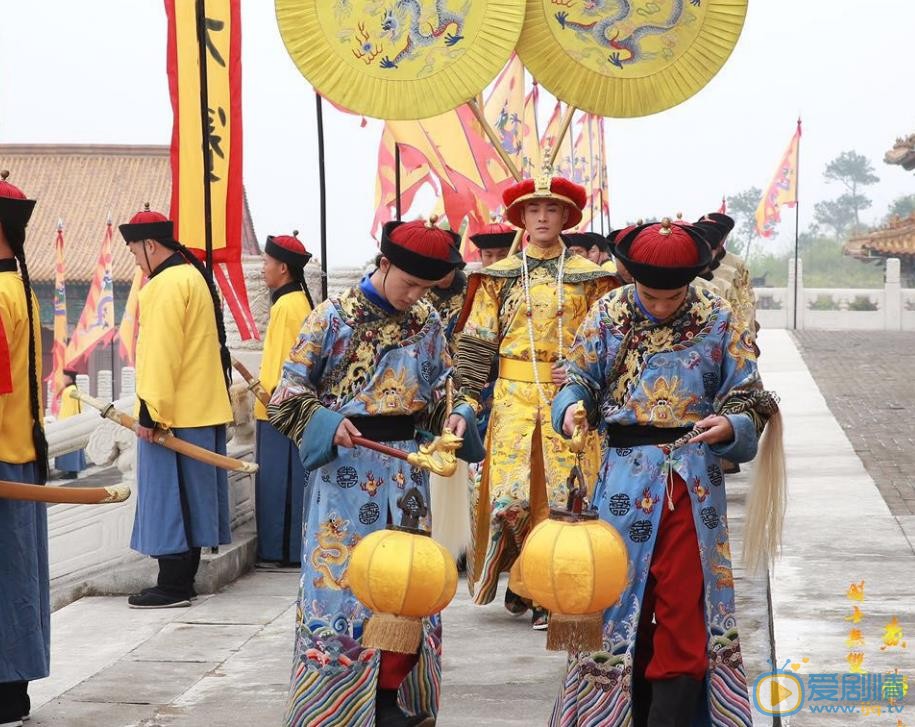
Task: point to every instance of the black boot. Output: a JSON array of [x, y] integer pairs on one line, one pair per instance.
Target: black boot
[[514, 604], [173, 587], [641, 701], [389, 714], [673, 701], [195, 566], [11, 704]]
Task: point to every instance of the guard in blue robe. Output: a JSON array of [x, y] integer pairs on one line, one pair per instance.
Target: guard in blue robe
[[376, 359], [25, 612], [672, 379]]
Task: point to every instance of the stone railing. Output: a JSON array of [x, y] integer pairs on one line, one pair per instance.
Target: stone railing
[[89, 544], [890, 308]]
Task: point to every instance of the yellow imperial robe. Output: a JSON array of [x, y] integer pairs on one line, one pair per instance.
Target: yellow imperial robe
[[287, 314], [527, 462], [16, 446], [179, 374]]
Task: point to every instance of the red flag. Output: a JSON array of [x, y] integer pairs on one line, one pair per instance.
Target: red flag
[[223, 94], [782, 189], [60, 322], [724, 206], [415, 173], [96, 322]]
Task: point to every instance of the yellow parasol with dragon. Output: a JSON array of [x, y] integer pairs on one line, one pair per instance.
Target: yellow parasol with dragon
[[626, 58], [400, 59]]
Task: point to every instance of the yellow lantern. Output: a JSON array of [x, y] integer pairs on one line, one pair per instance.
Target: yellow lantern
[[402, 575], [575, 565]]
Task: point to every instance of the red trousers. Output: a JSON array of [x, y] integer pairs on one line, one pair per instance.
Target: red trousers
[[395, 668], [675, 642]]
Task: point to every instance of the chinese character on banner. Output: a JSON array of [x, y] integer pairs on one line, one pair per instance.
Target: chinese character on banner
[[223, 172]]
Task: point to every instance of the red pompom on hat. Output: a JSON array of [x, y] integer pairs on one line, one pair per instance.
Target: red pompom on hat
[[421, 248], [663, 255], [148, 225], [15, 207], [288, 249], [493, 236], [563, 190]]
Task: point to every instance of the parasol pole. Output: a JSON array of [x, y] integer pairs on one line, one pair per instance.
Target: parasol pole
[[205, 130], [563, 130], [397, 180], [494, 140], [322, 196]]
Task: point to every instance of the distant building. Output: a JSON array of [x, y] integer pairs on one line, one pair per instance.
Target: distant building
[[896, 239], [81, 185]]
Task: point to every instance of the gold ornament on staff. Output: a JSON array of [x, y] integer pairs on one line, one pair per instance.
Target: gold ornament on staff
[[63, 495], [438, 456], [166, 439]]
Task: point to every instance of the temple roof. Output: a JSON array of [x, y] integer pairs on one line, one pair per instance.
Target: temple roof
[[82, 184], [897, 239], [902, 153]]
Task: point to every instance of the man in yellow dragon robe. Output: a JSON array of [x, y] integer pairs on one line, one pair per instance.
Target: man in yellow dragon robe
[[523, 311]]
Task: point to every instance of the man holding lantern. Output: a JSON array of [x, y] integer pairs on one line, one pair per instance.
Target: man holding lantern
[[523, 312], [372, 363], [666, 368]]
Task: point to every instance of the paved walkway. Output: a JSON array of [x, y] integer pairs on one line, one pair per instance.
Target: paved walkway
[[225, 661], [867, 380]]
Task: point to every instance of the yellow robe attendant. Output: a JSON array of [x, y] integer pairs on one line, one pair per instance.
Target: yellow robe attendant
[[527, 462], [16, 446], [179, 375], [287, 315], [69, 407]]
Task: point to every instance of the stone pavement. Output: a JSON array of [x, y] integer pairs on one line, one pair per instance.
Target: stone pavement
[[868, 382], [838, 531], [226, 660]]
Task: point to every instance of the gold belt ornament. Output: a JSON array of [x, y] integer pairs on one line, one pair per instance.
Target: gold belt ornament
[[515, 370]]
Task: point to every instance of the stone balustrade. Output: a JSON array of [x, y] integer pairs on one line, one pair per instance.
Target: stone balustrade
[[890, 308]]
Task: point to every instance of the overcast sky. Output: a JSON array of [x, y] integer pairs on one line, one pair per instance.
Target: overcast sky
[[94, 72]]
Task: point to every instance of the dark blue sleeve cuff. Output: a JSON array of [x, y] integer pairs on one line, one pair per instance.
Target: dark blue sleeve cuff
[[317, 446], [145, 417], [743, 447], [568, 396], [472, 449]]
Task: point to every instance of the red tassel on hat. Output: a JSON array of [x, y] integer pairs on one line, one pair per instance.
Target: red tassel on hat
[[664, 245], [146, 215], [10, 191], [424, 238]]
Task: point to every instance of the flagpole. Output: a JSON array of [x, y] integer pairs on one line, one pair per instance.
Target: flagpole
[[797, 214], [113, 372], [397, 180], [205, 130], [322, 197]]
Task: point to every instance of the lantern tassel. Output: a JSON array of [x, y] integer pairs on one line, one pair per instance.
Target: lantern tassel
[[393, 633], [574, 633]]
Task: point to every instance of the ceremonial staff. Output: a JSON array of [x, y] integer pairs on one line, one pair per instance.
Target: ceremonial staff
[[438, 456], [167, 439], [63, 495]]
